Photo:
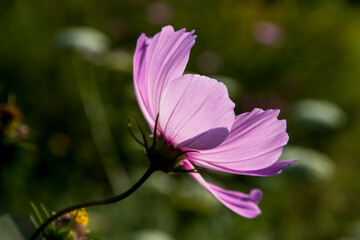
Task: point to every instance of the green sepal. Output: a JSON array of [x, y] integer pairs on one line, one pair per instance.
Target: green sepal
[[142, 131], [133, 135]]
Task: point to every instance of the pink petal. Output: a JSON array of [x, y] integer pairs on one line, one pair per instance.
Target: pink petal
[[255, 142], [241, 203], [196, 112], [158, 61], [140, 79], [274, 169]]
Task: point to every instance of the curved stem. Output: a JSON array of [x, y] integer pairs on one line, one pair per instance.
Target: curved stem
[[146, 175]]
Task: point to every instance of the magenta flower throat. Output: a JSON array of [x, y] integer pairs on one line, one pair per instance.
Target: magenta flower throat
[[194, 123]]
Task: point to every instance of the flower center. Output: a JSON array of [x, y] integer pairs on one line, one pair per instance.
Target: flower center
[[164, 156]]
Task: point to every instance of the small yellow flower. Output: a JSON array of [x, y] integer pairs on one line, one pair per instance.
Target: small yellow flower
[[82, 216]]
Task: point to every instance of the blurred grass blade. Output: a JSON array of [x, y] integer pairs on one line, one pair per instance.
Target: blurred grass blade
[[34, 221], [99, 126], [37, 213], [47, 213], [45, 210]]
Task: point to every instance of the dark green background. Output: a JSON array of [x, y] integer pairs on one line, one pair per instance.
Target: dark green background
[[64, 97]]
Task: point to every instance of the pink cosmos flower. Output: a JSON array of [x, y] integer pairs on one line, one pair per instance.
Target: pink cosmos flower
[[194, 122]]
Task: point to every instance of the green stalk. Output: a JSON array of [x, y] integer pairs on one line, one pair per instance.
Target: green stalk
[[147, 174]]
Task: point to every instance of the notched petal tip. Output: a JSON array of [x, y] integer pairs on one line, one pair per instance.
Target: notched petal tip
[[191, 33], [167, 27], [182, 31]]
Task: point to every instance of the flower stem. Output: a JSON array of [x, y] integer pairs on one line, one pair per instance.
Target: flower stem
[[146, 175]]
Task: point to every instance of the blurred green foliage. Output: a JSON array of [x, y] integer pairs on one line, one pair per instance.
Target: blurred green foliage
[[76, 103]]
